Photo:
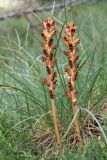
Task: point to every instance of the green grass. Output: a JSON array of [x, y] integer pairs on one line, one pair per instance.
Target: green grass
[[24, 101]]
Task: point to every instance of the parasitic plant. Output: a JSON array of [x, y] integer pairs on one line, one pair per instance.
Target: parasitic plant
[[49, 60], [71, 41]]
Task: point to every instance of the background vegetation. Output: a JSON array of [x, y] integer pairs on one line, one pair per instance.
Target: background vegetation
[[25, 112]]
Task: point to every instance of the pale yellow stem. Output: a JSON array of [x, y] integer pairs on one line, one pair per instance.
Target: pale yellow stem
[[54, 114], [55, 122], [74, 108]]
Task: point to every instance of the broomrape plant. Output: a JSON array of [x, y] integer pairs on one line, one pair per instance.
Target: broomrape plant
[[48, 58], [70, 41]]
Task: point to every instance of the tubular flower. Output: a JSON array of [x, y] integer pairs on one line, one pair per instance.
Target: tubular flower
[[48, 58], [71, 41]]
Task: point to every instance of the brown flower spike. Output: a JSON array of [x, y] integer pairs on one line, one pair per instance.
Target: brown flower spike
[[71, 41], [48, 58]]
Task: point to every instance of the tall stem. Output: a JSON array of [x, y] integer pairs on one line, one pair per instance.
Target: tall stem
[[54, 113], [74, 108]]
